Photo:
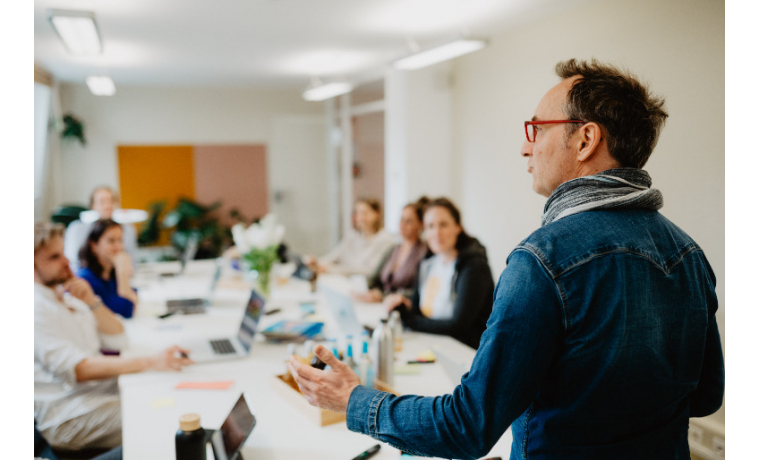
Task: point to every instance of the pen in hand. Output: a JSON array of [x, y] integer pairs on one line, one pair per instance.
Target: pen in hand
[[368, 453]]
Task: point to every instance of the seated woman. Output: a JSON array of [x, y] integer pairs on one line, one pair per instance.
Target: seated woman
[[104, 201], [454, 289], [108, 268], [398, 272], [361, 251]]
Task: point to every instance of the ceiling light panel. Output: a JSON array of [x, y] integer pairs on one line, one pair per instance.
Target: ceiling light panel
[[320, 93], [101, 85], [439, 54], [78, 31]]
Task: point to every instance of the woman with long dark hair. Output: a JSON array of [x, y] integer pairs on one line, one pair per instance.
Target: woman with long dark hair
[[454, 290], [108, 268]]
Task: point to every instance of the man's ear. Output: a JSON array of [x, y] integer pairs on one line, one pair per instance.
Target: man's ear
[[587, 140]]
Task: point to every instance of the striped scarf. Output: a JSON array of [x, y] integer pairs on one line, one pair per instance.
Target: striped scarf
[[622, 188]]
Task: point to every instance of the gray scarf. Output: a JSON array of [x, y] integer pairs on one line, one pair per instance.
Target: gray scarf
[[622, 188]]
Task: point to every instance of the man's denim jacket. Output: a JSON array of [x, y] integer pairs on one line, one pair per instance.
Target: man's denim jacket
[[601, 344]]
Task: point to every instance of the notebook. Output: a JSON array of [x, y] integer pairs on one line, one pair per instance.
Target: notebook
[[231, 347]]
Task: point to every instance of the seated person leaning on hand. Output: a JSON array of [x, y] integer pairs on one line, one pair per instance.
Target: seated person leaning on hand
[[104, 201], [108, 268], [398, 272], [454, 285], [359, 252], [76, 396]]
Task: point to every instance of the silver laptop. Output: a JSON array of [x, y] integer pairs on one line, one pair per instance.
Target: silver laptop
[[342, 309], [231, 347], [191, 248], [197, 304]]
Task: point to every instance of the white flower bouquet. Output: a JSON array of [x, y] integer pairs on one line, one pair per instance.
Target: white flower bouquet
[[258, 246]]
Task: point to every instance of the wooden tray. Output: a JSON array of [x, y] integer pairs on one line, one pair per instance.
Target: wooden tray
[[287, 388]]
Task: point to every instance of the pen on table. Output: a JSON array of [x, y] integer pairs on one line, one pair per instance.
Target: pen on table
[[166, 315], [272, 311], [421, 361], [367, 453]]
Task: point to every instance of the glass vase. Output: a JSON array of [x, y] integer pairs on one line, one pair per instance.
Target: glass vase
[[259, 280]]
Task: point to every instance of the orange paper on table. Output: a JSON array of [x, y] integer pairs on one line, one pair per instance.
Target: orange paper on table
[[221, 385]]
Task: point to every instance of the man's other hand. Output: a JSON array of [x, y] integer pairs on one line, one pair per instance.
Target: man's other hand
[[81, 289], [171, 359], [328, 389]]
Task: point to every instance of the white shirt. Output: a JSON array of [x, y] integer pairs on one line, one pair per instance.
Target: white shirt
[[435, 298], [359, 255], [62, 339], [76, 235]]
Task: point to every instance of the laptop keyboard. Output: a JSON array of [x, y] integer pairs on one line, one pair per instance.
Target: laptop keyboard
[[222, 347]]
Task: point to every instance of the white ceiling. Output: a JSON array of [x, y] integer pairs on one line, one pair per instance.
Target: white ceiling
[[267, 43]]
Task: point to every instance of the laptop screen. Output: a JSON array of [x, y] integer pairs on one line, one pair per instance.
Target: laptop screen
[[253, 312]]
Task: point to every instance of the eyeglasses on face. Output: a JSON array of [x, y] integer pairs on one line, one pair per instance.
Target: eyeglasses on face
[[531, 127]]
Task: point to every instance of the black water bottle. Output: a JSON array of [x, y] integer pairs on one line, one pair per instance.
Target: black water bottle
[[190, 440]]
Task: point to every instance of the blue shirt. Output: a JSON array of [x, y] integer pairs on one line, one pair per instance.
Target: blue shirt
[[601, 344], [108, 293]]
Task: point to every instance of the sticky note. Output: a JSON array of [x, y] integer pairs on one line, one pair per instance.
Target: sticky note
[[407, 369], [161, 403], [220, 385], [426, 355]]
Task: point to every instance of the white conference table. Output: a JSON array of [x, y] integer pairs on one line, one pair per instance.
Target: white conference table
[[151, 406]]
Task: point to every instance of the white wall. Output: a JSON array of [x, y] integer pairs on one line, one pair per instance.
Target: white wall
[[418, 137], [197, 116], [677, 46]]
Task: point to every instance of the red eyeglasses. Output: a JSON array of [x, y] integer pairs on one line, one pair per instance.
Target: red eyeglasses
[[530, 134]]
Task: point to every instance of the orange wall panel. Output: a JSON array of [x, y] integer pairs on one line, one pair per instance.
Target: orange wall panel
[[149, 173]]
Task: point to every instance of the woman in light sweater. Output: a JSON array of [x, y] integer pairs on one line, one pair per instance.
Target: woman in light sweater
[[360, 251], [398, 272]]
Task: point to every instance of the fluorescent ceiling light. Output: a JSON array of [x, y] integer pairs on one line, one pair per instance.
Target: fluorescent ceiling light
[[439, 54], [320, 93], [77, 30], [101, 85]]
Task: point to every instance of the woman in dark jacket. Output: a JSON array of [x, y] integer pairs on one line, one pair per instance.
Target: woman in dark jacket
[[454, 290]]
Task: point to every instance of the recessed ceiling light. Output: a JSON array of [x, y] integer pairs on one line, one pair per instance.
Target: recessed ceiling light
[[101, 85]]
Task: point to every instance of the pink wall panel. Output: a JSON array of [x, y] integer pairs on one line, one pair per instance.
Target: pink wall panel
[[234, 174]]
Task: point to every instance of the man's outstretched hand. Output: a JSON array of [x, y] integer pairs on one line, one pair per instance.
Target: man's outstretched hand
[[328, 389]]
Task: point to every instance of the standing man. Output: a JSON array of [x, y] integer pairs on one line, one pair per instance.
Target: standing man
[[602, 341], [76, 397]]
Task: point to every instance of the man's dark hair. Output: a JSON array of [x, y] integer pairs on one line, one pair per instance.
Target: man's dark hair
[[87, 258], [630, 117]]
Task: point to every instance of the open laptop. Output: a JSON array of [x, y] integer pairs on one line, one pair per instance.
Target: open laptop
[[191, 248], [342, 309], [231, 347], [227, 441], [197, 304]]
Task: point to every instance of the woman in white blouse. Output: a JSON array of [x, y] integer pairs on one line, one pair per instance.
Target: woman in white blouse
[[361, 250]]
